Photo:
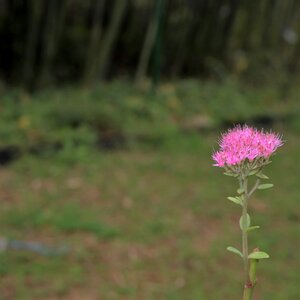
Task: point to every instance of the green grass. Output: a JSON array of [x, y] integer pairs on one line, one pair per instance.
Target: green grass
[[117, 114], [67, 218], [146, 224], [149, 220]]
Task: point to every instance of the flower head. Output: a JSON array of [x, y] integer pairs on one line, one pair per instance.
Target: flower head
[[244, 143]]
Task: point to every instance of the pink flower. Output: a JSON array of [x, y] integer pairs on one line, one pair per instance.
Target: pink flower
[[245, 143]]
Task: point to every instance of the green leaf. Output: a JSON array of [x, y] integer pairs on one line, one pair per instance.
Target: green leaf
[[258, 255], [252, 172], [230, 174], [236, 251], [262, 176], [252, 228], [240, 191], [236, 200], [248, 222], [265, 186]]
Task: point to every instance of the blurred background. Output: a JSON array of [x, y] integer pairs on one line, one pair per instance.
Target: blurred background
[[109, 113]]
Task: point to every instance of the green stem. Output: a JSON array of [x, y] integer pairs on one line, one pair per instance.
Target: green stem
[[244, 185], [249, 288], [249, 273], [248, 293]]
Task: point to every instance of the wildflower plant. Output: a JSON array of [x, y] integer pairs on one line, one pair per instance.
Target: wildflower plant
[[244, 151]]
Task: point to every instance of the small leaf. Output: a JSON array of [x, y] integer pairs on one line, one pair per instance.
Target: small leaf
[[248, 222], [253, 172], [236, 251], [230, 174], [252, 228], [236, 200], [262, 176], [265, 186], [258, 255], [240, 191]]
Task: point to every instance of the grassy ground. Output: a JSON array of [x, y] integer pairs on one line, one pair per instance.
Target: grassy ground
[[146, 223], [124, 178]]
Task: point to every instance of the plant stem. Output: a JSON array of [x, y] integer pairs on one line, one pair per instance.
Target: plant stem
[[243, 183], [254, 188], [249, 279]]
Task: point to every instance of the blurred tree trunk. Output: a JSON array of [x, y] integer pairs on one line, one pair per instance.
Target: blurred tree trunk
[[110, 37], [146, 50], [48, 43], [93, 48], [61, 21], [260, 25], [158, 45], [268, 19], [54, 24], [199, 33], [293, 60], [214, 33], [31, 42], [250, 11], [227, 28], [188, 44]]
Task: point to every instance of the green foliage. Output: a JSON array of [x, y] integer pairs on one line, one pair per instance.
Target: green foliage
[[262, 176], [252, 172], [253, 228], [72, 122], [231, 174], [237, 200], [236, 251], [240, 191], [265, 186], [243, 224], [258, 255]]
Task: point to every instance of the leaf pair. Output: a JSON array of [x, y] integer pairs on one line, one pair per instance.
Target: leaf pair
[[247, 224]]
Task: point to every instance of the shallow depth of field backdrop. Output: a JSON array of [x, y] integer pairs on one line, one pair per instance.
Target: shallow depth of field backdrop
[[109, 113]]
